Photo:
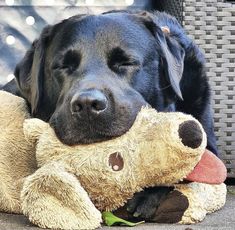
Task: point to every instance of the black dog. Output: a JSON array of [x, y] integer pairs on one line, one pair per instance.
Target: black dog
[[90, 75]]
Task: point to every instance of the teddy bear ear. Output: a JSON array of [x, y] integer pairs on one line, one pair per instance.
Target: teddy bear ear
[[33, 128]]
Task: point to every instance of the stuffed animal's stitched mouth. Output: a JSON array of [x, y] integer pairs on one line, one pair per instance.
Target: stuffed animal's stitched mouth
[[210, 170]]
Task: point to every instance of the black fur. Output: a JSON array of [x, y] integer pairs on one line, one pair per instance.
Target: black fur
[[90, 75]]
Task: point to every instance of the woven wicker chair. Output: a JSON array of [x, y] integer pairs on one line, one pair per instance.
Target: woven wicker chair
[[211, 23]]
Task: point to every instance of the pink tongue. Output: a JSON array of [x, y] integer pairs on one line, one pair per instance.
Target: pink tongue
[[210, 170]]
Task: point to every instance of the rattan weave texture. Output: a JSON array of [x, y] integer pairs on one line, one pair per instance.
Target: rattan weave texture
[[174, 7], [211, 23]]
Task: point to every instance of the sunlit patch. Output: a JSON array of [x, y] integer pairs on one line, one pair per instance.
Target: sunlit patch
[[9, 2], [89, 2], [10, 77], [30, 20], [129, 2], [50, 2], [10, 40]]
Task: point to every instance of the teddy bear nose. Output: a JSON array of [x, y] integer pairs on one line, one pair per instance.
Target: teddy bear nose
[[190, 134]]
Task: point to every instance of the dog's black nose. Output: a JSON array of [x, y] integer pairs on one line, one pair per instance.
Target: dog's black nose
[[89, 101]]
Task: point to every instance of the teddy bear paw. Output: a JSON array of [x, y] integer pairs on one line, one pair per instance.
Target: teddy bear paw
[[172, 208], [54, 198]]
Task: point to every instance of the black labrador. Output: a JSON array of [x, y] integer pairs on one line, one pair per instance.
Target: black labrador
[[89, 75]]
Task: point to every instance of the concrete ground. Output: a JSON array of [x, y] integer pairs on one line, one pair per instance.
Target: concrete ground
[[220, 220]]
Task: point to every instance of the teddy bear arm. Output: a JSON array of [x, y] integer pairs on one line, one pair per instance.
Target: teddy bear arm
[[54, 198], [171, 208], [203, 199], [190, 203]]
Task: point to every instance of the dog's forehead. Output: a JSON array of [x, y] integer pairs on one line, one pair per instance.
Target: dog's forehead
[[112, 29]]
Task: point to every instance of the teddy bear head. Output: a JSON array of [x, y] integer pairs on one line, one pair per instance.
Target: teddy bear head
[[159, 149]]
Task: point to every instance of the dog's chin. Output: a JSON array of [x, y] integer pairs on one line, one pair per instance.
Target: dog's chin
[[75, 136], [84, 140], [75, 130]]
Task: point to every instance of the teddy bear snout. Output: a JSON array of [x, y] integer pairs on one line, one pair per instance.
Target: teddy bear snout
[[191, 134]]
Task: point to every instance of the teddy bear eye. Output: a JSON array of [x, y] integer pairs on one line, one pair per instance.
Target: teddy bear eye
[[116, 161]]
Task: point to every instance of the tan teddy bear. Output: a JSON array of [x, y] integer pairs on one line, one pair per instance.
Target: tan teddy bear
[[17, 157], [72, 185]]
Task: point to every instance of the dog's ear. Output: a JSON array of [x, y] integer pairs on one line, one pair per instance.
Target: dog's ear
[[170, 51], [29, 72]]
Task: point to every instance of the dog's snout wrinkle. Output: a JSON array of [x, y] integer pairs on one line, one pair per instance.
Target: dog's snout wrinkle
[[89, 102]]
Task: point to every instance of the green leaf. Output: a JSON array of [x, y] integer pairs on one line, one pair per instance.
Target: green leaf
[[110, 219]]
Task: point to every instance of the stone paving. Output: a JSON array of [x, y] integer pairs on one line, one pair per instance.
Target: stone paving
[[220, 220]]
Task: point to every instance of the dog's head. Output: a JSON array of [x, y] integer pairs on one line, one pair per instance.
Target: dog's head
[[90, 75]]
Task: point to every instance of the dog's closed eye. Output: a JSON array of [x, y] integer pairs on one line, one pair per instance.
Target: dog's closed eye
[[119, 61], [69, 62]]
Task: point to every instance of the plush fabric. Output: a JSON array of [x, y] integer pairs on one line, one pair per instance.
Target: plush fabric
[[203, 199], [73, 184], [17, 156]]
